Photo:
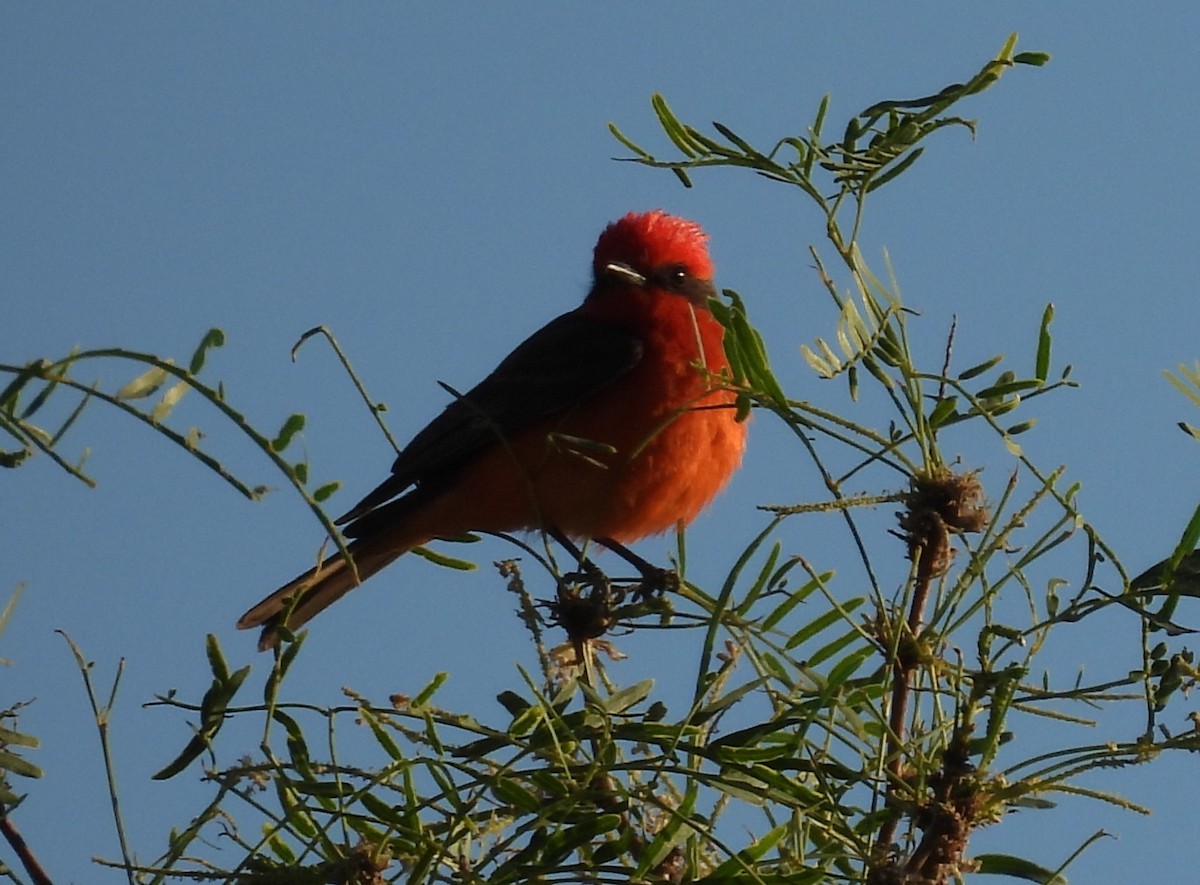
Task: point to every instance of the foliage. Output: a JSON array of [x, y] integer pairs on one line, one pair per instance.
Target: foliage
[[851, 724]]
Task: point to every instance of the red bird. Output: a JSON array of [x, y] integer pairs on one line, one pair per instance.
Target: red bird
[[609, 423]]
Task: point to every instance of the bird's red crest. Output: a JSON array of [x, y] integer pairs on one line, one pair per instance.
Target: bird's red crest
[[647, 240]]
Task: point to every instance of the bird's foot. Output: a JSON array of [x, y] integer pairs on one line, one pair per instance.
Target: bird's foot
[[655, 580]]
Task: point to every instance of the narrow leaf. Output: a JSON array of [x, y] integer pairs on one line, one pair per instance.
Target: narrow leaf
[[293, 425], [1042, 366], [1016, 868], [462, 565], [943, 411], [214, 338], [429, 690], [671, 125], [820, 623], [742, 144], [169, 400], [621, 137], [980, 368], [144, 384], [1036, 59], [326, 490], [794, 599], [11, 763]]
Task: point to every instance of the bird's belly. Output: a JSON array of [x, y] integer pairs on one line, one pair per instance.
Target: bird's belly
[[619, 472], [674, 475]]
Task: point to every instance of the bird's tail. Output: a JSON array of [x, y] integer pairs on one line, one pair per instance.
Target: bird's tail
[[317, 589]]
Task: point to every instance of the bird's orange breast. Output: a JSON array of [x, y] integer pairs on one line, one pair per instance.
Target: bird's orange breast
[[637, 458]]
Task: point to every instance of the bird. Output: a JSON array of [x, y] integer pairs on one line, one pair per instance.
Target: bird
[[616, 421]]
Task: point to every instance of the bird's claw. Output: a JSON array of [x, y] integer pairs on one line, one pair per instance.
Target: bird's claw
[[656, 581]]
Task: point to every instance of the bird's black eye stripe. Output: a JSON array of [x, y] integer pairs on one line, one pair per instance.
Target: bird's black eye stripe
[[675, 278], [671, 276]]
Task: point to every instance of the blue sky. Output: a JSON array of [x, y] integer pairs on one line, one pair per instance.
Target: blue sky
[[428, 182]]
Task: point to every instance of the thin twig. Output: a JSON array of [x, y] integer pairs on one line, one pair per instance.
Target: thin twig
[[101, 713]]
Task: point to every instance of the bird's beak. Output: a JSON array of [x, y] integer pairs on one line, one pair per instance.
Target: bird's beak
[[625, 272]]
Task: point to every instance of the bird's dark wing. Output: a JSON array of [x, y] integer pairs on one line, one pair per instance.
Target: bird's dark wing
[[557, 367]]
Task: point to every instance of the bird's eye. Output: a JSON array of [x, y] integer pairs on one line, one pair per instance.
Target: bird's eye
[[677, 273]]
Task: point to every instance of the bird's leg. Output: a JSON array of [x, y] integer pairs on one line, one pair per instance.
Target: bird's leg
[[588, 604], [589, 572], [655, 579]]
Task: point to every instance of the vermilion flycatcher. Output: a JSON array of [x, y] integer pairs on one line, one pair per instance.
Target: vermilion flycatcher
[[609, 423]]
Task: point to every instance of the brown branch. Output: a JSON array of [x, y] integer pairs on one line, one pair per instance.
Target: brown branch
[[28, 859], [938, 503], [930, 550]]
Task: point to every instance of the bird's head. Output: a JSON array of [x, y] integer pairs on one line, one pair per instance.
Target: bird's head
[[655, 250]]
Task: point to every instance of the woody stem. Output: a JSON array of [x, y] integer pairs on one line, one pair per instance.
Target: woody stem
[[929, 551]]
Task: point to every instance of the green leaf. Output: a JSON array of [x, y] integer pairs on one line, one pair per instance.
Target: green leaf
[[10, 606], [820, 623], [1002, 696], [665, 838], [15, 458], [169, 400], [144, 384], [560, 844], [830, 649], [422, 698], [621, 137], [1177, 572], [819, 121], [194, 748], [750, 347], [980, 368], [326, 490], [513, 703], [610, 849], [761, 582], [740, 143], [1036, 59], [14, 764], [323, 789], [1042, 365], [462, 565], [896, 170], [391, 815], [212, 710], [847, 667], [380, 733], [216, 659], [1016, 868], [293, 425], [943, 411], [51, 376], [431, 733], [16, 738], [794, 598], [671, 126], [11, 393], [745, 860], [213, 338], [628, 697], [516, 795], [1004, 389]]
